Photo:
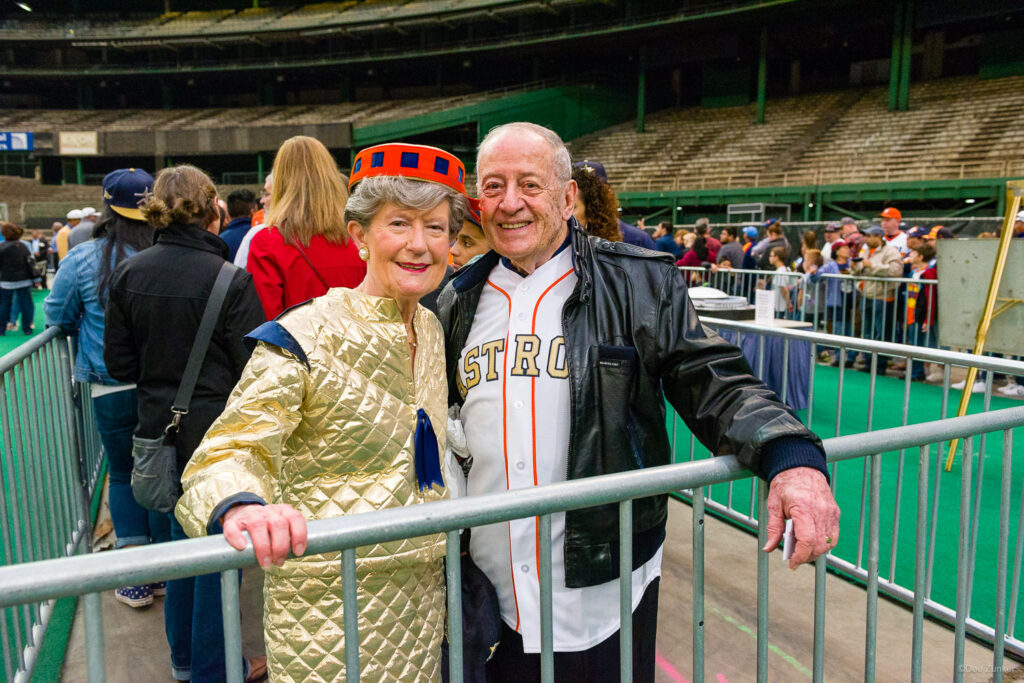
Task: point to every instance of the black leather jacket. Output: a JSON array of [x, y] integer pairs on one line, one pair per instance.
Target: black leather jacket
[[633, 339]]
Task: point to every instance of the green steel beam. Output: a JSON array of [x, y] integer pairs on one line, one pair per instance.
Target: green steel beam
[[908, 48], [971, 208], [641, 91], [897, 55], [832, 195], [79, 173], [762, 75], [845, 211]]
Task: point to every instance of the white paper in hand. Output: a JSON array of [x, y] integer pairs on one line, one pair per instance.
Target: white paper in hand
[[788, 541]]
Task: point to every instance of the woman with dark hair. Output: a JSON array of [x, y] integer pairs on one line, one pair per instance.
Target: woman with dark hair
[[76, 304], [16, 275], [156, 301], [597, 208], [699, 256]]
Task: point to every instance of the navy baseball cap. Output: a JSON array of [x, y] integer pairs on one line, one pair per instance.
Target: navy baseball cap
[[875, 230], [124, 188], [770, 221], [918, 231], [593, 167]]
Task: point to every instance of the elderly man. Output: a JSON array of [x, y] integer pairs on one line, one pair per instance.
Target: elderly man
[[561, 349], [890, 219]]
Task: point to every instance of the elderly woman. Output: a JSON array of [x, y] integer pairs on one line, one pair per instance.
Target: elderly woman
[[337, 413]]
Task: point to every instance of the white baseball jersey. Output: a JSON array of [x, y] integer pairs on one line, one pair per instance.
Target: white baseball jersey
[[514, 376], [899, 240]]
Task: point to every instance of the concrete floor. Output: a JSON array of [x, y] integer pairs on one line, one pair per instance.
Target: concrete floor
[[137, 649]]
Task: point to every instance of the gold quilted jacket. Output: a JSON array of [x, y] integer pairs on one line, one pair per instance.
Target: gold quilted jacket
[[335, 437]]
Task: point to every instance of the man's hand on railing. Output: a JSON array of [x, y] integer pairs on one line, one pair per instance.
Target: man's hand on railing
[[274, 530], [803, 495]]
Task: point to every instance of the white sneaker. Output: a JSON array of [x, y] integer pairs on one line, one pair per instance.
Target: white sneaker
[[1011, 389], [933, 377], [978, 388]]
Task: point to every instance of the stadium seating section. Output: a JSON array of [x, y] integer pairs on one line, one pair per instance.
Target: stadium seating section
[[957, 127], [353, 15]]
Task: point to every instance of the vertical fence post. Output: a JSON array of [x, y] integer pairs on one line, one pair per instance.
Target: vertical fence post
[[962, 585], [998, 642], [547, 639], [919, 563], [698, 583], [872, 583], [453, 571], [762, 581], [350, 599], [232, 626], [626, 591], [94, 638]]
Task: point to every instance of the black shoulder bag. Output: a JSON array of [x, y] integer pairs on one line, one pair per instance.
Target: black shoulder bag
[[156, 483]]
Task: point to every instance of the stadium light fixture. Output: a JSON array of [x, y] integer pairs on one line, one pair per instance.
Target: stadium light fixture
[[23, 6], [970, 201]]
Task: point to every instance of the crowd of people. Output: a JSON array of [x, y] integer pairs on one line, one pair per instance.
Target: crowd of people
[[262, 363], [888, 294]]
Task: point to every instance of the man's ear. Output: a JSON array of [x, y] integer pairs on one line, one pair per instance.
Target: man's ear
[[569, 197]]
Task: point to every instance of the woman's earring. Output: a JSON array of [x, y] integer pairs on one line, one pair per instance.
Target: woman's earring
[[364, 253]]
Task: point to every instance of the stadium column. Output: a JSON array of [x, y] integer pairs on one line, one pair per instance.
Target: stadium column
[[79, 174], [908, 52], [762, 74], [897, 55], [641, 90]]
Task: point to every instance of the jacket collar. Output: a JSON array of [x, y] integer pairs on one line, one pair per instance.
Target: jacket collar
[[193, 238], [474, 274]]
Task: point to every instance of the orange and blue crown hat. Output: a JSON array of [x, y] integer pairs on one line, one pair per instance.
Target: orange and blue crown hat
[[409, 161]]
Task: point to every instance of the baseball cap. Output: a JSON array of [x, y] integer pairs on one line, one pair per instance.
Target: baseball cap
[[940, 232], [918, 231], [770, 221], [890, 212], [89, 211], [875, 230], [1020, 216], [474, 212], [831, 227], [124, 188], [750, 231], [75, 214], [593, 167], [847, 220], [839, 243]]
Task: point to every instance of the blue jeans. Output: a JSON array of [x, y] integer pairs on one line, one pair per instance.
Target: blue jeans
[[880, 325], [116, 418], [194, 624], [12, 301], [918, 338]]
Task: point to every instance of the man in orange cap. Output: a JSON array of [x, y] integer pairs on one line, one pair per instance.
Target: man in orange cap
[[890, 219]]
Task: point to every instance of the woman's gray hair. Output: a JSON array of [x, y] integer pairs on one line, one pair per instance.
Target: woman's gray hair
[[372, 193]]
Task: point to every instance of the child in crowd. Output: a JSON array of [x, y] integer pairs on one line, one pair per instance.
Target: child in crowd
[[812, 301], [922, 329], [781, 281]]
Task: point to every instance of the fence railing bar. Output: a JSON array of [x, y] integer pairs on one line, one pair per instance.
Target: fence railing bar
[[979, 479], [453, 574], [999, 621], [625, 591], [697, 584], [350, 606], [962, 585], [78, 575], [894, 546]]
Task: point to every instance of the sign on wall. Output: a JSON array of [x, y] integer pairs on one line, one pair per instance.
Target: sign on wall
[[16, 142], [78, 142]]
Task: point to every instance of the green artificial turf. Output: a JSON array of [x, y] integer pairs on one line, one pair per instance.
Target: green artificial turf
[[899, 486], [14, 339]]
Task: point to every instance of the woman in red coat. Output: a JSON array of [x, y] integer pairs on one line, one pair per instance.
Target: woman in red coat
[[306, 250], [697, 257]]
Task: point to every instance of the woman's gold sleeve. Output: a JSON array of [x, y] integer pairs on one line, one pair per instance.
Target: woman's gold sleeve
[[240, 456]]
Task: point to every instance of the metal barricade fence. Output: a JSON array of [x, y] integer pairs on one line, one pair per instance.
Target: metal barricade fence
[[86, 575], [880, 308], [794, 347], [50, 463]]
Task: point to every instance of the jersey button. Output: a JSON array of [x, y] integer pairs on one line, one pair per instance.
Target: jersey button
[[518, 404], [525, 568], [522, 316], [524, 287], [520, 465]]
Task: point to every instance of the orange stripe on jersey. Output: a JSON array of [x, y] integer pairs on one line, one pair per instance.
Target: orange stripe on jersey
[[504, 442], [533, 411]]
